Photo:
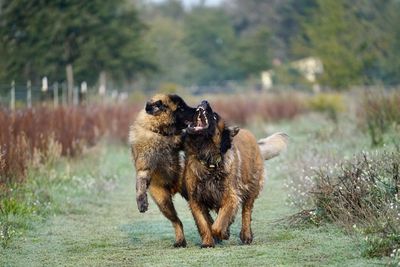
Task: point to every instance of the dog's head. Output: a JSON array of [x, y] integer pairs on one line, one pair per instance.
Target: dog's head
[[207, 126], [169, 110]]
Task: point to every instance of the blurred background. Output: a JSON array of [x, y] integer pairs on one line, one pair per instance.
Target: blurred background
[[121, 47], [74, 74]]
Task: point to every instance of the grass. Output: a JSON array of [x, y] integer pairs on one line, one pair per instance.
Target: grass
[[93, 219]]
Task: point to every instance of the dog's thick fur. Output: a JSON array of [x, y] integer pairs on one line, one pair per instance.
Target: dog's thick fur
[[224, 168], [155, 139]]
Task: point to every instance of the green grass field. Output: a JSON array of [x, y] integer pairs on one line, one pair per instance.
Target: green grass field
[[93, 219]]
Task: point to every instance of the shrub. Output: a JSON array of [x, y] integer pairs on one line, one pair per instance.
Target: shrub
[[288, 76], [361, 194], [379, 112], [330, 103]]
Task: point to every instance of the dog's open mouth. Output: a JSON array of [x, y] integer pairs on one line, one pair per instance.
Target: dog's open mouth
[[200, 120]]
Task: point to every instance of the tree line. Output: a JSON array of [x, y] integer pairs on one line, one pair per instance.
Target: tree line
[[358, 41], [72, 39]]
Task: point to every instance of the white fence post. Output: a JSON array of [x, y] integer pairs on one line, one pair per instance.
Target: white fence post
[[83, 91], [12, 101], [45, 84], [29, 94]]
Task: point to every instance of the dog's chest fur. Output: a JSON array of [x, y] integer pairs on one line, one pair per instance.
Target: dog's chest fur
[[155, 152], [210, 186]]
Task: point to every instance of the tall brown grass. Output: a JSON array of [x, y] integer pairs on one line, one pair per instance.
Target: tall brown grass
[[379, 113], [244, 109], [27, 133]]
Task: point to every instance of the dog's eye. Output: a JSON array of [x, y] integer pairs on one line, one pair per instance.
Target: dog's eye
[[180, 108]]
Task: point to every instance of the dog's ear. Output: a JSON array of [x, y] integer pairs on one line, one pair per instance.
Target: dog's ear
[[227, 136], [176, 99], [234, 130]]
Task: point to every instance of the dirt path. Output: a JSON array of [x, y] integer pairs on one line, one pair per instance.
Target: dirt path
[[107, 230]]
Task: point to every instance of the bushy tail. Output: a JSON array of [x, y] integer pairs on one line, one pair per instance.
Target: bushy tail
[[273, 145]]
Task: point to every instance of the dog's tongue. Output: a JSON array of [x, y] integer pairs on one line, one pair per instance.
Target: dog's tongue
[[199, 125], [200, 122]]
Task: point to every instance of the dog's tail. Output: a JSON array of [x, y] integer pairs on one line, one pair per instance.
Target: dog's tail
[[273, 145]]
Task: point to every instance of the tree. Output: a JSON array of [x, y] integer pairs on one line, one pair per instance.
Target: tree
[[353, 39], [210, 38], [248, 16], [47, 37], [253, 53], [328, 34], [171, 54]]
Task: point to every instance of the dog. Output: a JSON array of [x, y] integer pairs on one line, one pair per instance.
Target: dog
[[224, 168], [155, 139]]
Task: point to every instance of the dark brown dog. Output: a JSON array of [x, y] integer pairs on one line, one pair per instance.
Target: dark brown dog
[[224, 169], [155, 139]]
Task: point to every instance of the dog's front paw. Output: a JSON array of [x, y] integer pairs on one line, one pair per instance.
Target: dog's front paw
[[227, 234], [142, 203], [180, 243], [217, 233], [246, 237], [207, 245]]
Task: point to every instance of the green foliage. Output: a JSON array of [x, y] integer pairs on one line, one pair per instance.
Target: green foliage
[[378, 242], [39, 38], [210, 38], [330, 103], [353, 40], [202, 45], [358, 42], [288, 76], [252, 54], [379, 113], [327, 34], [166, 34]]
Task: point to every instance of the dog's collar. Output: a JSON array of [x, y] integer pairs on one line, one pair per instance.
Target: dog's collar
[[212, 164]]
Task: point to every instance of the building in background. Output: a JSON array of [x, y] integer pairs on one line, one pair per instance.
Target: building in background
[[309, 68]]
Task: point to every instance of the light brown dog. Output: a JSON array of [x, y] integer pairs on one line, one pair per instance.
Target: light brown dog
[[224, 169], [155, 139]]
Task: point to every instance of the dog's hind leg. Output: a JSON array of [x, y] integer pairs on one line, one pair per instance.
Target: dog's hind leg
[[246, 235], [163, 199]]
